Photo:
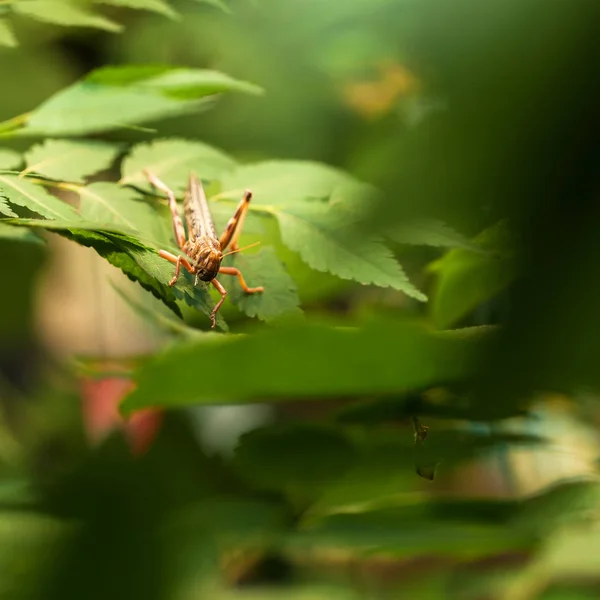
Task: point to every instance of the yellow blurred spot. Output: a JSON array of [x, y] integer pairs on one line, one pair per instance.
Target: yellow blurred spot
[[374, 99]]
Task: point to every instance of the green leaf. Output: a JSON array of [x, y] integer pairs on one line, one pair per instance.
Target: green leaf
[[64, 13], [107, 204], [139, 262], [9, 159], [317, 233], [385, 465], [217, 4], [429, 232], [567, 504], [7, 37], [262, 269], [188, 84], [406, 531], [298, 460], [17, 234], [319, 211], [66, 160], [5, 209], [21, 192], [281, 183], [172, 160], [308, 361], [114, 97], [130, 257], [157, 6], [465, 279], [195, 296]]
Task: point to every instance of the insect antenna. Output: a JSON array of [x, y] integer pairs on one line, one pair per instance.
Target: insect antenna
[[240, 249]]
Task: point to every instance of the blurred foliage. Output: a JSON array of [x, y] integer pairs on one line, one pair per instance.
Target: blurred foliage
[[425, 191]]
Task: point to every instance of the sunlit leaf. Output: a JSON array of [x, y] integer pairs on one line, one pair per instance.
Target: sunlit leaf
[[262, 269], [66, 160], [64, 13], [108, 204], [318, 209], [172, 160], [279, 183], [21, 192], [317, 233], [7, 37], [115, 97], [5, 208], [216, 3], [158, 6], [9, 159]]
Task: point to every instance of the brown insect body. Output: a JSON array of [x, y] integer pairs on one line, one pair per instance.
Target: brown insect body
[[203, 249], [206, 256]]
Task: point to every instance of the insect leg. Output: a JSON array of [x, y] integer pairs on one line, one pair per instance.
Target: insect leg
[[223, 292], [235, 224], [237, 273], [177, 261], [178, 228]]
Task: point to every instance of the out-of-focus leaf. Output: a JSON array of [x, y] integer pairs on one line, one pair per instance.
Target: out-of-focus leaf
[[17, 234], [66, 160], [125, 252], [384, 472], [405, 531], [155, 317], [310, 361], [134, 260], [9, 159], [297, 460], [172, 160], [24, 193], [68, 14], [569, 554], [231, 519], [217, 4], [262, 269], [145, 266], [32, 545], [114, 97], [7, 37], [465, 279], [429, 232], [568, 504], [157, 6]]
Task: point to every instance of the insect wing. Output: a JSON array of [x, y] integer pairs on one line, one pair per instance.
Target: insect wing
[[197, 215]]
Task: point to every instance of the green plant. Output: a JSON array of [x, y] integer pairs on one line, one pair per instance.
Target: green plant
[[336, 498]]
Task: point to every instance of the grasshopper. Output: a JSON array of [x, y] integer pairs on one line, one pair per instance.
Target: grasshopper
[[203, 250]]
